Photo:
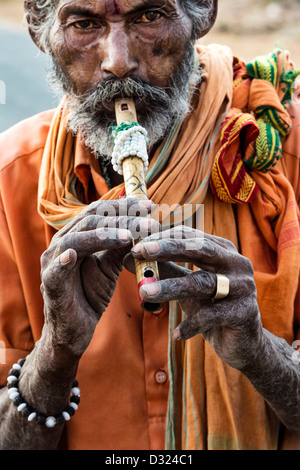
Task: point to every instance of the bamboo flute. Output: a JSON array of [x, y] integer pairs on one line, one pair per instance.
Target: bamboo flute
[[135, 187]]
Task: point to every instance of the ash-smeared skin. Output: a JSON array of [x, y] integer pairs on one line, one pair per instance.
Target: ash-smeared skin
[[231, 325], [88, 282], [45, 382], [79, 273], [120, 45]]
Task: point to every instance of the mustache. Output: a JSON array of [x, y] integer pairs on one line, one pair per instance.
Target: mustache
[[111, 89], [92, 114]]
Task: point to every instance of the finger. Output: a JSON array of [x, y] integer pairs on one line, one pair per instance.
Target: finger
[[187, 233], [111, 208], [211, 317], [140, 227], [202, 252], [238, 310], [96, 291], [201, 285], [58, 272], [87, 243], [194, 325], [68, 258]]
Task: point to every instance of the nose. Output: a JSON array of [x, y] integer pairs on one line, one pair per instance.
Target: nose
[[119, 59]]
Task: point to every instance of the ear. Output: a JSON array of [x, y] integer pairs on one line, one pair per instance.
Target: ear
[[34, 18], [213, 15], [211, 7]]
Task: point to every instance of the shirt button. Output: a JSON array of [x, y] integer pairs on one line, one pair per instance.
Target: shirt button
[[160, 376]]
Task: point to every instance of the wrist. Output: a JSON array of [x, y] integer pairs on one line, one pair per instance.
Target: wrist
[[54, 355], [28, 411], [62, 349], [66, 340], [256, 364], [254, 351], [47, 377]]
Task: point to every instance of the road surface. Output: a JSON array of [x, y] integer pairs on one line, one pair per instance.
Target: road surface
[[23, 70]]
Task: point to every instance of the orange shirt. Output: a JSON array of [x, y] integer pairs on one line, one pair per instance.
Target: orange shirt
[[123, 374]]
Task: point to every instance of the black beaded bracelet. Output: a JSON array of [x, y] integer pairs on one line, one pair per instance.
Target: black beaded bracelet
[[28, 412]]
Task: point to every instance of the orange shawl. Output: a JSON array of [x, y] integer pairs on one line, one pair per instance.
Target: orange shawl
[[211, 405]]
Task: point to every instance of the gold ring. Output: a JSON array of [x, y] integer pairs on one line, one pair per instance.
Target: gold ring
[[222, 287]]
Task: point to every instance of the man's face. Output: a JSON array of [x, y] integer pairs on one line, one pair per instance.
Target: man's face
[[97, 39], [107, 49]]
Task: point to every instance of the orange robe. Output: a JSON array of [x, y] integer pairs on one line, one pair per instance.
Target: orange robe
[[124, 374]]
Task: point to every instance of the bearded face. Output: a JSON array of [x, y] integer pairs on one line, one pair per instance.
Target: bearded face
[[103, 50], [106, 49], [92, 113]]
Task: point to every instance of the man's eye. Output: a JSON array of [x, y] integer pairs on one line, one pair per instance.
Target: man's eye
[[149, 16], [85, 24]]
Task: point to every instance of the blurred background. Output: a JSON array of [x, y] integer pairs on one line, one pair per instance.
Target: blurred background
[[249, 27]]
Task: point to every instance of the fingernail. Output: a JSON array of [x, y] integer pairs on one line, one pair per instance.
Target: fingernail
[[152, 247], [65, 257], [146, 203], [176, 333], [137, 248], [145, 225], [151, 289], [124, 235]]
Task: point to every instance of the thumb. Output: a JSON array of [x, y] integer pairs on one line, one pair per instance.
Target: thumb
[[56, 274], [68, 258], [113, 259]]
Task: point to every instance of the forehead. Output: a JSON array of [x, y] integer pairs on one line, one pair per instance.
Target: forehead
[[112, 7]]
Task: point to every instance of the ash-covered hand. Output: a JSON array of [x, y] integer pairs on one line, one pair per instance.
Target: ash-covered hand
[[232, 324], [81, 267]]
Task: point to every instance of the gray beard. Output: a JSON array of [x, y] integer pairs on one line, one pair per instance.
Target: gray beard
[[91, 117]]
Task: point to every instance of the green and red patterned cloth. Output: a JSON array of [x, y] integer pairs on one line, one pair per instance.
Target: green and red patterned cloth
[[253, 130]]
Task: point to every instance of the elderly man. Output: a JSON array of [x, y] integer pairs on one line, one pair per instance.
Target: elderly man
[[216, 367]]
